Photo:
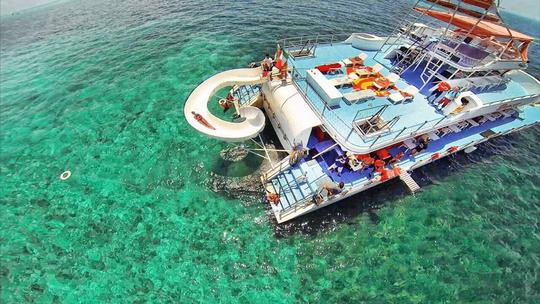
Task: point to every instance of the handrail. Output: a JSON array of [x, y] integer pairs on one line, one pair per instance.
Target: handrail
[[317, 39]]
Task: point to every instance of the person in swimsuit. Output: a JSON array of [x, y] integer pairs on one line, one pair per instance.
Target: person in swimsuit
[[331, 188], [202, 121]]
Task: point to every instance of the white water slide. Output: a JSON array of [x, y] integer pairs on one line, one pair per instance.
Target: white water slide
[[197, 102]]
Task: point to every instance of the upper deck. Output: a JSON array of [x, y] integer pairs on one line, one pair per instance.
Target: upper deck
[[416, 116]]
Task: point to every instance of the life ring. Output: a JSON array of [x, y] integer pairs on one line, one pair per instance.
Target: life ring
[[65, 175], [435, 156]]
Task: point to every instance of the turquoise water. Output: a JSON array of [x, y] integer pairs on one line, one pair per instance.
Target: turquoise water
[[97, 87]]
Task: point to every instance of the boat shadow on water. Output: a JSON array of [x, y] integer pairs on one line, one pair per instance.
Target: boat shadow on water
[[370, 201]]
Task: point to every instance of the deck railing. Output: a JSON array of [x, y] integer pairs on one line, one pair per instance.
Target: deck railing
[[295, 43]]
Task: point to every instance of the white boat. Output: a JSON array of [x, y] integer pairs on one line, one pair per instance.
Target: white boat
[[359, 110]]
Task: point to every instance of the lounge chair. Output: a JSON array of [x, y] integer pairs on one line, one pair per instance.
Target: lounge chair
[[433, 135], [490, 117], [354, 61], [376, 68], [472, 122], [462, 125], [507, 113], [329, 68], [444, 131], [341, 81], [494, 116], [356, 96], [408, 93], [392, 77], [386, 82]]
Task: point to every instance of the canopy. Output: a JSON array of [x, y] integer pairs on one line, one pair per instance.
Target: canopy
[[481, 28], [473, 13], [485, 4]]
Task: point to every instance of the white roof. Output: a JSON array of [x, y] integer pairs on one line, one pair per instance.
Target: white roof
[[295, 116]]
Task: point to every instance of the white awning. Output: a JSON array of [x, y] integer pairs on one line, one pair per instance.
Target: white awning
[[295, 116]]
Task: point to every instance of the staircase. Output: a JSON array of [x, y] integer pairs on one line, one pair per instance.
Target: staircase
[[246, 94], [409, 181], [431, 68], [292, 187]]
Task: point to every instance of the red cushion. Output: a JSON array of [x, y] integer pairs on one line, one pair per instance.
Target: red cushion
[[383, 154]]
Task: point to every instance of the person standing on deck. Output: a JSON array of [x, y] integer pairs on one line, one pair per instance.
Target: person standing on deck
[[442, 87], [267, 63]]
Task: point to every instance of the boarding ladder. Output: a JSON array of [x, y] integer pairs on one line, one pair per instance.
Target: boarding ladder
[[407, 179]]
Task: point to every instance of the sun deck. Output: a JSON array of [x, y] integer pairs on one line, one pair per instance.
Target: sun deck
[[409, 118]]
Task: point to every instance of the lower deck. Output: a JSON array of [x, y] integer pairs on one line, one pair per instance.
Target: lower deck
[[297, 184]]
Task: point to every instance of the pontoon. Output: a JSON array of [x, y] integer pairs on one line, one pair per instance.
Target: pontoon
[[361, 109]]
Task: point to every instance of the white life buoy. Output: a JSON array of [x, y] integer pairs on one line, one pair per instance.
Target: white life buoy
[[65, 175]]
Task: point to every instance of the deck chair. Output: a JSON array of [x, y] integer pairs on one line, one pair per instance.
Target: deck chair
[[462, 125], [376, 68], [444, 131], [392, 77], [482, 119], [507, 113], [472, 122], [341, 81], [358, 60], [408, 93], [356, 96], [493, 116]]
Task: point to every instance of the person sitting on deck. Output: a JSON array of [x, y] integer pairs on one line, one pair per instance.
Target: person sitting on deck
[[422, 144], [464, 102], [379, 165], [443, 103], [338, 165], [367, 162], [383, 154], [387, 174], [267, 63]]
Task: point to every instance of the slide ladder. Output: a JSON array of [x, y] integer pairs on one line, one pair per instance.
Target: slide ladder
[[253, 120]]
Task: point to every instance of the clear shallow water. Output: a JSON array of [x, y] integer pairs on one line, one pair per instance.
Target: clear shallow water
[[98, 88]]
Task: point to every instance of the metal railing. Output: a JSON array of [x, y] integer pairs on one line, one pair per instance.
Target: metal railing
[[300, 42]]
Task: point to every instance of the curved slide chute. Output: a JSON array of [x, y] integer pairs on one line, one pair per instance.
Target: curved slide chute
[[197, 102]]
